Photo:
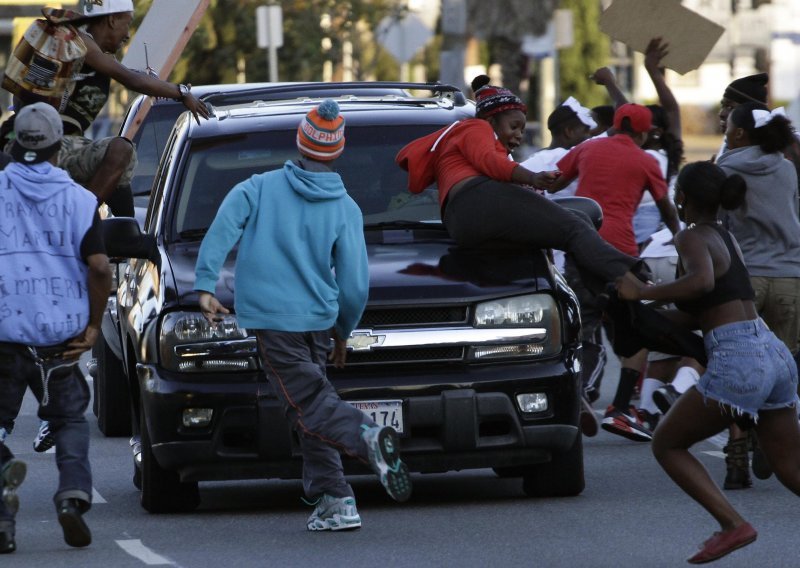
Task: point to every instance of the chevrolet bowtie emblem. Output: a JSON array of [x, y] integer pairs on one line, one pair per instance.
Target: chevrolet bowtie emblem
[[364, 340]]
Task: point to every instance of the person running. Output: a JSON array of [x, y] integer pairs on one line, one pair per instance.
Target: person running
[[301, 279], [751, 377], [482, 193], [105, 166], [768, 230], [44, 330], [615, 172]]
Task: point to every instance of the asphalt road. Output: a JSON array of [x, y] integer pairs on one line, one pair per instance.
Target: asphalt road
[[630, 515]]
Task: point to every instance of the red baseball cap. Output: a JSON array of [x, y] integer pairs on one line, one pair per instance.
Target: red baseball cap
[[640, 117]]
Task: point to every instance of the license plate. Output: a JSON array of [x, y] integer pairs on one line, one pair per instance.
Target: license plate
[[383, 412]]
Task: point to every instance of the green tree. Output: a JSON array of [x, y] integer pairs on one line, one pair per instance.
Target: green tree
[[588, 52], [224, 44]]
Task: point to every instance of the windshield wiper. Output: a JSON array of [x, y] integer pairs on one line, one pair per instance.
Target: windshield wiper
[[191, 234], [404, 225]]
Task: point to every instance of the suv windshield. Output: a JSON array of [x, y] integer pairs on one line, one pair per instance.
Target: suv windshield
[[367, 168]]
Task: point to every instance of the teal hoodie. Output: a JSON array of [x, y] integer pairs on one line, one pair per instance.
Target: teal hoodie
[[302, 261]]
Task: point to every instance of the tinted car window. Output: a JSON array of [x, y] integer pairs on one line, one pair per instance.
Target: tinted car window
[[367, 168], [150, 139]]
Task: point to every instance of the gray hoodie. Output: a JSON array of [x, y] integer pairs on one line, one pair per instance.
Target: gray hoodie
[[767, 226]]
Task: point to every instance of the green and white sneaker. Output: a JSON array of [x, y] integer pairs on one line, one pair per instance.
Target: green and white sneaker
[[383, 450], [334, 514], [13, 475]]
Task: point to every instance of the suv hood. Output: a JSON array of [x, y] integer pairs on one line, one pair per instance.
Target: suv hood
[[404, 268]]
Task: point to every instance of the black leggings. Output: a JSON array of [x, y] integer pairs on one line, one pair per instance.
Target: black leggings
[[485, 211]]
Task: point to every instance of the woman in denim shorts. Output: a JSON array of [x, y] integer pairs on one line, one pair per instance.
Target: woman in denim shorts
[[751, 378]]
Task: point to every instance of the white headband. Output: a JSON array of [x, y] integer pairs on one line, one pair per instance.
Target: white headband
[[584, 114], [764, 117]]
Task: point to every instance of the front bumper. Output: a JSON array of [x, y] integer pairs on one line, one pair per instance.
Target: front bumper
[[453, 420]]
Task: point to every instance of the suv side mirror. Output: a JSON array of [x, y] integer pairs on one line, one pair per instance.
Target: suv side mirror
[[124, 239]]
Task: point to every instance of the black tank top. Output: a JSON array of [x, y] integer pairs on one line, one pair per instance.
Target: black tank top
[[733, 285], [86, 102]]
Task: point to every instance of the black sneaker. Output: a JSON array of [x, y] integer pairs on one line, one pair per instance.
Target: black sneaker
[[664, 397], [70, 517], [649, 419], [45, 439], [7, 543]]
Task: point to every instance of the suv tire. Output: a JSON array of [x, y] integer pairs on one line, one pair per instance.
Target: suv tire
[[560, 477], [113, 408], [162, 490]]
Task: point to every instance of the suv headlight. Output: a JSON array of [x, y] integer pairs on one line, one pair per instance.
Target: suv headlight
[[538, 312], [188, 343]]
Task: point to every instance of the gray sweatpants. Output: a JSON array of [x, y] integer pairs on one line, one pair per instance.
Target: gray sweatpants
[[294, 363]]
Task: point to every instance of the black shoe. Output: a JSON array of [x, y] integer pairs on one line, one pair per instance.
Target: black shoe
[[70, 517], [649, 420], [13, 473], [664, 397], [7, 544], [737, 475]]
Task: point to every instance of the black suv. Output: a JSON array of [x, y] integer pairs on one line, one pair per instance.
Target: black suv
[[473, 355]]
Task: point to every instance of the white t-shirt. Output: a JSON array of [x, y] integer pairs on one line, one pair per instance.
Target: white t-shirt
[[545, 161], [660, 157]]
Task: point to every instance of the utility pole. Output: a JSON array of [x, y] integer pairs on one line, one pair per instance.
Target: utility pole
[[269, 28], [454, 43]]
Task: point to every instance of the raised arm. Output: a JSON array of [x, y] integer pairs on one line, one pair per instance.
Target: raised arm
[[604, 76], [144, 83], [656, 51]]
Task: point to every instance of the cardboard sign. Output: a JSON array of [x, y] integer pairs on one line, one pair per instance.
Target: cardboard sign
[[690, 36], [165, 29]]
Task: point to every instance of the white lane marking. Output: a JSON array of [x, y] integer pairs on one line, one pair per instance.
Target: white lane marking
[[96, 497], [720, 440], [720, 455], [135, 548]]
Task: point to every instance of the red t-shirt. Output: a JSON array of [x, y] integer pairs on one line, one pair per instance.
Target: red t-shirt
[[471, 149], [615, 172]]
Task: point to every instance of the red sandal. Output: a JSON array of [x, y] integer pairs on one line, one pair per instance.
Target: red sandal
[[725, 542]]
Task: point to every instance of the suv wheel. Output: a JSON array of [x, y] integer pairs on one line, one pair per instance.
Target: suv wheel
[[113, 401], [162, 490], [560, 477]]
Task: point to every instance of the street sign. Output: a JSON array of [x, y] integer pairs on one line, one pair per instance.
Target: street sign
[[269, 26], [403, 38]]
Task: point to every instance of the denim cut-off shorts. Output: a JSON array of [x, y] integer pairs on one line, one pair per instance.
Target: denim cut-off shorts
[[749, 369]]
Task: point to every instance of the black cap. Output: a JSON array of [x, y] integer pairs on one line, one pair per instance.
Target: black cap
[[750, 89]]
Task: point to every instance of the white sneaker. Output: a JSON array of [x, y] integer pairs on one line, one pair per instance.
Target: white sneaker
[[383, 450], [334, 514]]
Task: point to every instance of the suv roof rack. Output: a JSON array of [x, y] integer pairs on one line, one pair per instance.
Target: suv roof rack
[[277, 92]]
